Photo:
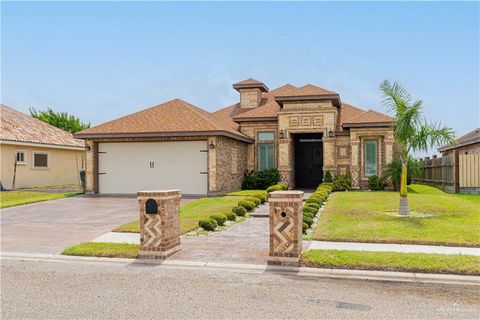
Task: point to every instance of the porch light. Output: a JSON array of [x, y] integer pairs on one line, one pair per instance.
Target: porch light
[[331, 134], [281, 134], [211, 146]]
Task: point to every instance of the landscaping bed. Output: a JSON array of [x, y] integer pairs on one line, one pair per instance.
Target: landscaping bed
[[16, 198], [437, 218], [392, 261]]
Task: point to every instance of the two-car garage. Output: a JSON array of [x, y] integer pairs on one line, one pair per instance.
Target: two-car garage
[[128, 167]]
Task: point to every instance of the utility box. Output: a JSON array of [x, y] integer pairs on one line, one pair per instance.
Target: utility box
[[285, 227], [159, 223]]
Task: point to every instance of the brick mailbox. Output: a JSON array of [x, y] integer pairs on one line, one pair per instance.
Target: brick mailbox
[[285, 227], [159, 223]]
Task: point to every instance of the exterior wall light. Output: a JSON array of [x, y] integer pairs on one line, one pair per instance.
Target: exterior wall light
[[211, 146], [331, 134], [281, 134]]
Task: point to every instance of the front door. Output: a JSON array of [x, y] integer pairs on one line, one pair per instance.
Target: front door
[[308, 160]]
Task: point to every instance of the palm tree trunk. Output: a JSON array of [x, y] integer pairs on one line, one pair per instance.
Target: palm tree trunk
[[403, 207]]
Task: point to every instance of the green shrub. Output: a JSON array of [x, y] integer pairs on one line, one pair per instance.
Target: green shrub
[[307, 220], [376, 183], [231, 216], [310, 209], [220, 218], [314, 199], [328, 177], [312, 205], [207, 224], [277, 187], [239, 211], [263, 196], [248, 205], [254, 200], [305, 227], [308, 214], [342, 182], [261, 179]]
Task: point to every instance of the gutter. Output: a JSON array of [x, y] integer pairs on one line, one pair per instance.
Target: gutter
[[462, 144]]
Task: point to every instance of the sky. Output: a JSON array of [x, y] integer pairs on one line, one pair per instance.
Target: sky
[[102, 60]]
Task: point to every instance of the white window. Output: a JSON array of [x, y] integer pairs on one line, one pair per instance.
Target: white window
[[20, 157], [370, 158], [40, 160]]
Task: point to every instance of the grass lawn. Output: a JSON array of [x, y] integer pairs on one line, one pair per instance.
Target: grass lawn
[[245, 193], [190, 213], [393, 261], [103, 249], [16, 198], [362, 217]]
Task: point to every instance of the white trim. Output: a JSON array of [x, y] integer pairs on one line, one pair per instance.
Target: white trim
[[33, 160], [40, 145], [24, 162]]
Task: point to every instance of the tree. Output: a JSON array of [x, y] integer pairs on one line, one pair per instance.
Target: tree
[[60, 120], [393, 171], [411, 131]]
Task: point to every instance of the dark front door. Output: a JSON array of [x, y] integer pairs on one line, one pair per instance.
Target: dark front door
[[308, 160]]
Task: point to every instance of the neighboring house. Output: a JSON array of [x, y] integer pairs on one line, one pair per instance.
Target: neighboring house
[[467, 144], [302, 131], [36, 154]]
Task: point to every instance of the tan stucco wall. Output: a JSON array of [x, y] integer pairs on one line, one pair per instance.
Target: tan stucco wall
[[64, 166]]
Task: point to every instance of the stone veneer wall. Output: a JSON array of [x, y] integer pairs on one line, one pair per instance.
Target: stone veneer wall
[[251, 129], [226, 164]]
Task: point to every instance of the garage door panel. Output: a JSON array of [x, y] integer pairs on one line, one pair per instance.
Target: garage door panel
[[131, 167]]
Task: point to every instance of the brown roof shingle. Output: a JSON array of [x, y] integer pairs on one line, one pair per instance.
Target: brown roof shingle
[[175, 117], [368, 118], [19, 127], [470, 138]]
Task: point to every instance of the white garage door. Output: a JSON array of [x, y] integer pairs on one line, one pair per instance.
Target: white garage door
[[135, 166]]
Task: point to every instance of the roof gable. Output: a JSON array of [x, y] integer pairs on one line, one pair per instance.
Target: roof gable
[[19, 127], [175, 117]]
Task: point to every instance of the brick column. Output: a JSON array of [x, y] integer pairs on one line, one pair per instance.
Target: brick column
[[285, 227], [159, 223]]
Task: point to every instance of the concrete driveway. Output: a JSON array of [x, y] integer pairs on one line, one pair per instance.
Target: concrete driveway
[[51, 226]]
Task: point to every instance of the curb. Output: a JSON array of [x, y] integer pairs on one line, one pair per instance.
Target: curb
[[450, 279]]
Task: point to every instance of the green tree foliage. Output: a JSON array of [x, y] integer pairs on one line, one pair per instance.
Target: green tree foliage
[[60, 120], [411, 131]]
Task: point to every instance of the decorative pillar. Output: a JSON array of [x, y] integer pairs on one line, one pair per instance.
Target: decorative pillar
[[285, 228], [329, 155], [285, 163], [159, 223], [355, 168]]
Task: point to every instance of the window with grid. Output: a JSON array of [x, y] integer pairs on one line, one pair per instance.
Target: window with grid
[[266, 150], [40, 160], [370, 151]]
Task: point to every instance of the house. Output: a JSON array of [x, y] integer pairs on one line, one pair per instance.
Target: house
[[36, 154], [303, 131], [467, 144]]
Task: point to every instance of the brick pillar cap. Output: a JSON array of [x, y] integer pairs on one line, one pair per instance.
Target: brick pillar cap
[[147, 193], [286, 194]]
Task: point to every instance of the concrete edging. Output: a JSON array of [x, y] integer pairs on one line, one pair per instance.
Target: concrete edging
[[450, 279]]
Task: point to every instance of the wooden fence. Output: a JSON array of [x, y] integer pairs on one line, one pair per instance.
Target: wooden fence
[[452, 173]]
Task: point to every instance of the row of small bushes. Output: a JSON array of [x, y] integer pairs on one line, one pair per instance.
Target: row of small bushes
[[313, 203], [245, 205]]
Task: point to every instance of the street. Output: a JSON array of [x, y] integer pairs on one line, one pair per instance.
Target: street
[[76, 289]]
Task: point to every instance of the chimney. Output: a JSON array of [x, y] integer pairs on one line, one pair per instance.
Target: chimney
[[250, 92]]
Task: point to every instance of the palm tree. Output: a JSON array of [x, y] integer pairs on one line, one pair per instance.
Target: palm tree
[[411, 131]]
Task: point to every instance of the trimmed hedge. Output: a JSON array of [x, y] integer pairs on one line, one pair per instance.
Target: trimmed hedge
[[207, 224], [220, 218], [263, 196], [305, 227], [277, 187], [308, 214], [314, 199], [310, 209], [254, 200], [312, 205], [248, 205], [239, 211], [231, 216], [307, 220]]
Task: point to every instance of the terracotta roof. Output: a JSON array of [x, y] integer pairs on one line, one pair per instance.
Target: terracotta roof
[[310, 90], [369, 117], [172, 118], [468, 139], [250, 83], [19, 127]]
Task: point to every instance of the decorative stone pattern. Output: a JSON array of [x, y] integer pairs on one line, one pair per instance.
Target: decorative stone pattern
[[285, 227], [250, 98], [160, 232]]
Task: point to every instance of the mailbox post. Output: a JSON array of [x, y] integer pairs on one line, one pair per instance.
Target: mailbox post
[[159, 223], [285, 227]]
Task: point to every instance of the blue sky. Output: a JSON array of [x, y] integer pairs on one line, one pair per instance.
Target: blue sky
[[107, 59]]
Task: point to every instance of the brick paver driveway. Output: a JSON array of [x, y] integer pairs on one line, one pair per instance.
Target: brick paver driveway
[[51, 226]]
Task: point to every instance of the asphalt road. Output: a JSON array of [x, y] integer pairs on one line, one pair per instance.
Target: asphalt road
[[49, 289]]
